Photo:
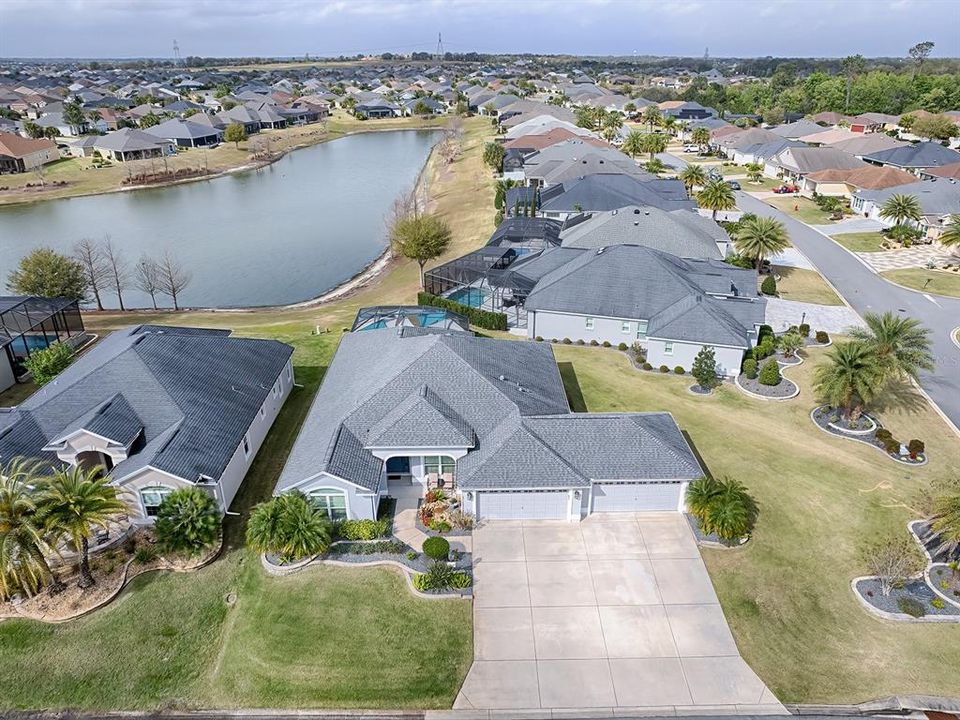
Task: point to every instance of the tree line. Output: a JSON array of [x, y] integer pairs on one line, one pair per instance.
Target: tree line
[[98, 268]]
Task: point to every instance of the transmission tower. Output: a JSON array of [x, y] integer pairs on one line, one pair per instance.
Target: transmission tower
[[706, 54], [176, 53], [439, 47]]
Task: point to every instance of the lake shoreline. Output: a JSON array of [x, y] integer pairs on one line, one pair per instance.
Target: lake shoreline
[[246, 167]]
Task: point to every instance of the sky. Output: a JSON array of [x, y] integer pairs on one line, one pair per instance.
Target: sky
[[224, 28]]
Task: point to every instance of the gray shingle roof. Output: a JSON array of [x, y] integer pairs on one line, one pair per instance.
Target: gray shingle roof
[[506, 397], [681, 299], [608, 191], [193, 393], [921, 155]]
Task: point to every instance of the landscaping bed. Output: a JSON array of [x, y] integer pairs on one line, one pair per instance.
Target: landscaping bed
[[439, 513], [713, 539], [868, 431], [784, 390], [913, 599], [946, 580], [920, 529]]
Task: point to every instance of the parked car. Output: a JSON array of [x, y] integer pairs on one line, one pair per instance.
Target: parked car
[[786, 189], [691, 148], [734, 185]]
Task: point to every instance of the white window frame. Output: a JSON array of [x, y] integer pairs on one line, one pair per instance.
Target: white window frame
[[441, 462], [626, 326], [326, 492], [642, 329], [263, 412], [162, 490], [668, 348], [588, 323]]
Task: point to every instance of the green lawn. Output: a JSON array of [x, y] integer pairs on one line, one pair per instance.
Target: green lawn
[[804, 286], [937, 282], [787, 594], [764, 184], [861, 241], [807, 210]]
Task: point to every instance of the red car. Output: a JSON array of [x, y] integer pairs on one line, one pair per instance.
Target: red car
[[786, 189]]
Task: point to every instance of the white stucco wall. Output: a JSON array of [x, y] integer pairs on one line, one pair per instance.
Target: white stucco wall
[[550, 325], [129, 488], [361, 503]]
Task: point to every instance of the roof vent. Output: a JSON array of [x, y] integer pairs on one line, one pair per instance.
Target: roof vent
[[646, 212], [636, 211], [636, 223], [614, 212], [600, 251], [503, 378]]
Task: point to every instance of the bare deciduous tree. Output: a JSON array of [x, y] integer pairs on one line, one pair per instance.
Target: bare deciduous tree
[[892, 560], [172, 276], [405, 205], [90, 256], [117, 268], [147, 277]]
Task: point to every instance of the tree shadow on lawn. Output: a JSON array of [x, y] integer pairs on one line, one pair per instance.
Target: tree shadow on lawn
[[571, 386], [260, 481], [899, 395]]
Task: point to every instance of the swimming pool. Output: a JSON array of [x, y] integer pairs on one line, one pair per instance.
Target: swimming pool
[[471, 296]]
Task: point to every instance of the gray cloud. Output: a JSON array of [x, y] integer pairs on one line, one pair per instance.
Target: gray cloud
[[147, 28]]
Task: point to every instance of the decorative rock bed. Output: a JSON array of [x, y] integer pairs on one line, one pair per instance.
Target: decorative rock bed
[[784, 390], [916, 592], [864, 430], [787, 362], [695, 389], [712, 539], [372, 553]]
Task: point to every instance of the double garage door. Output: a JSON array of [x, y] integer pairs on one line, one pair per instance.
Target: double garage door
[[636, 497], [530, 505]]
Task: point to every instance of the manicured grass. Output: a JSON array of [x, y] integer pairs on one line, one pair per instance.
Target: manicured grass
[[787, 595], [807, 211], [16, 394], [937, 282], [341, 638], [764, 184], [804, 286], [861, 241]]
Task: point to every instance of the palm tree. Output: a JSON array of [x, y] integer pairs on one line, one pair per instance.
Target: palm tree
[[651, 116], [633, 144], [23, 540], [613, 121], [901, 208], [732, 511], [758, 237], [946, 522], [653, 143], [950, 237], [754, 172], [700, 136], [188, 521], [669, 123], [289, 526], [901, 344], [717, 195], [693, 175], [700, 496], [849, 379], [73, 503]]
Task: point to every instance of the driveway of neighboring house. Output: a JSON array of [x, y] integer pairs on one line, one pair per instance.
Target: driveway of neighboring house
[[617, 611]]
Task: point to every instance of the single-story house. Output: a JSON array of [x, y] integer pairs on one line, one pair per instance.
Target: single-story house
[[19, 154], [796, 162], [240, 115], [158, 409], [485, 419], [628, 293], [186, 133], [131, 144], [938, 200], [377, 109], [916, 157], [844, 183]]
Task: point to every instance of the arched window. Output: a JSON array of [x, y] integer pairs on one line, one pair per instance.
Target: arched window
[[151, 497], [332, 501]]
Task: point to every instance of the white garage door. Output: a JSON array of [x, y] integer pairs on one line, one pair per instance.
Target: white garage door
[[530, 505], [636, 497]]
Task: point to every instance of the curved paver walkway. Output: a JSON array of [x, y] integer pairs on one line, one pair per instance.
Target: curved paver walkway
[[615, 612]]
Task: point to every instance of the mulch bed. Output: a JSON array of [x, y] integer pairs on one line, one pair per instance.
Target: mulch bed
[[697, 390], [785, 361], [945, 580], [453, 532], [869, 590], [784, 389], [922, 531], [824, 415]]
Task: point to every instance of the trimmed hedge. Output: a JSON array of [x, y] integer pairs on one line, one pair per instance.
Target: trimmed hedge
[[362, 529], [437, 548], [770, 373], [481, 318], [750, 368]]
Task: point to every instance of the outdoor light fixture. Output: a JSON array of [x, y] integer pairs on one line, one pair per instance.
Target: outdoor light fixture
[[469, 496], [576, 494]]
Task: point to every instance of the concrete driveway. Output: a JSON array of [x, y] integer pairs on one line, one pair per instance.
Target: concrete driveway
[[617, 611]]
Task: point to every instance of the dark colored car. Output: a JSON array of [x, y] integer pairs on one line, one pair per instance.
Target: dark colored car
[[734, 185]]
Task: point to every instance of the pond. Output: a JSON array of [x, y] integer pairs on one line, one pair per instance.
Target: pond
[[281, 234]]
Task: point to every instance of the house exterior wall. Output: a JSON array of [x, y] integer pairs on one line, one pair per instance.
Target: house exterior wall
[[7, 376], [240, 463], [835, 189], [128, 489], [361, 503], [40, 157], [553, 325]]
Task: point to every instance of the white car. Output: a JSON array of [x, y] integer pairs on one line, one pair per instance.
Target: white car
[[691, 148]]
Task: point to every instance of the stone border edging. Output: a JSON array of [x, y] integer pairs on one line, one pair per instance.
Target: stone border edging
[[749, 393], [855, 433], [860, 439], [404, 570], [897, 617], [930, 562], [926, 577], [955, 336], [126, 579]]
